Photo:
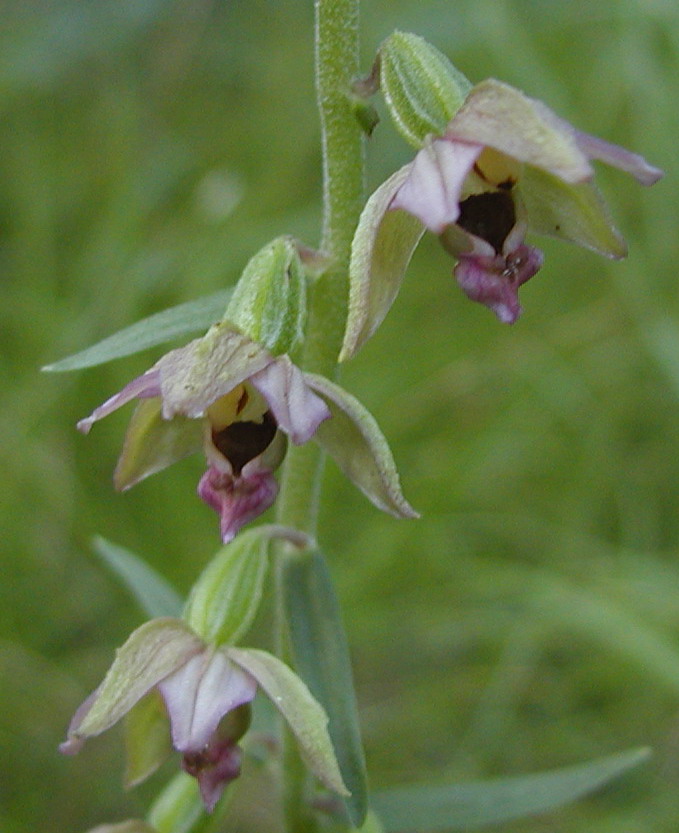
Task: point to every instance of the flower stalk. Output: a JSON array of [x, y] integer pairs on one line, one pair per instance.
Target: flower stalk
[[337, 64], [336, 39]]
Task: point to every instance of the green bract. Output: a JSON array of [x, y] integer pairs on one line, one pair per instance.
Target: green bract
[[225, 599], [269, 301], [423, 90]]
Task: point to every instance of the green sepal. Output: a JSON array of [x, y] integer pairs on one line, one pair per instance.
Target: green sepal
[[383, 244], [573, 212], [153, 443], [151, 653], [269, 301], [226, 597], [178, 807], [147, 738], [304, 715], [354, 440], [422, 89]]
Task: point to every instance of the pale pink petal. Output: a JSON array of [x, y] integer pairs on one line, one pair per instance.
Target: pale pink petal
[[495, 281], [238, 499], [434, 185], [200, 693], [73, 744], [297, 409], [143, 387], [618, 157]]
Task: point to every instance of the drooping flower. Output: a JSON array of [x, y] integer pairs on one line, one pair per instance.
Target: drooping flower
[[227, 394], [205, 690], [504, 165], [468, 186]]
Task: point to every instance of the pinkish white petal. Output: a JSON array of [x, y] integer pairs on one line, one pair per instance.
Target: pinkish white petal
[[434, 185], [143, 387], [495, 281], [297, 409], [238, 499], [200, 693], [618, 157]]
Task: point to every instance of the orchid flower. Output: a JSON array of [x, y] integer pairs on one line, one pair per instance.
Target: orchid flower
[[228, 395], [504, 165]]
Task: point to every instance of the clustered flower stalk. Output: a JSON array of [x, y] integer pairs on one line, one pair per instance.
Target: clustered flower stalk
[[259, 391]]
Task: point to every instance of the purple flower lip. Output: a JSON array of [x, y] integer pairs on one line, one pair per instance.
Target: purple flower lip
[[263, 398]]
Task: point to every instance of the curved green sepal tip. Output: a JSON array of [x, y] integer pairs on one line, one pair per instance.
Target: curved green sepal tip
[[304, 715], [353, 439], [381, 250]]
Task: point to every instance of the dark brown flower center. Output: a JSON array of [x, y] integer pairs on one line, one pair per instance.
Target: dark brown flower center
[[241, 442], [490, 216]]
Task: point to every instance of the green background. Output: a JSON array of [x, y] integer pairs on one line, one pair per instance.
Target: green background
[[531, 618]]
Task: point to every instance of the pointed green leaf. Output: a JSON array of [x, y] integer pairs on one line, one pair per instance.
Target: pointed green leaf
[[155, 595], [321, 655], [304, 715], [576, 213], [153, 443], [381, 250], [151, 653], [149, 332], [461, 806], [353, 439], [147, 738]]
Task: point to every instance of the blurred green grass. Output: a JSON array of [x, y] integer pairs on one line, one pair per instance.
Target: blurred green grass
[[531, 618]]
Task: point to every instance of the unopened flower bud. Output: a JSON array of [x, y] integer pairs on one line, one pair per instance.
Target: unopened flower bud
[[422, 89], [269, 302]]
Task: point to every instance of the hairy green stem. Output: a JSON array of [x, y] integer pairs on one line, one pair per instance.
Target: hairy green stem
[[337, 64], [342, 146]]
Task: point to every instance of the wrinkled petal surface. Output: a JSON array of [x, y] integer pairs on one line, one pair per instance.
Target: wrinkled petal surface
[[143, 387], [297, 409], [500, 116], [434, 185], [495, 281], [200, 693], [195, 376], [237, 499]]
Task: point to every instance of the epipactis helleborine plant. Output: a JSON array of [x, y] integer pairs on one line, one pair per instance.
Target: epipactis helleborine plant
[[492, 164], [236, 394]]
